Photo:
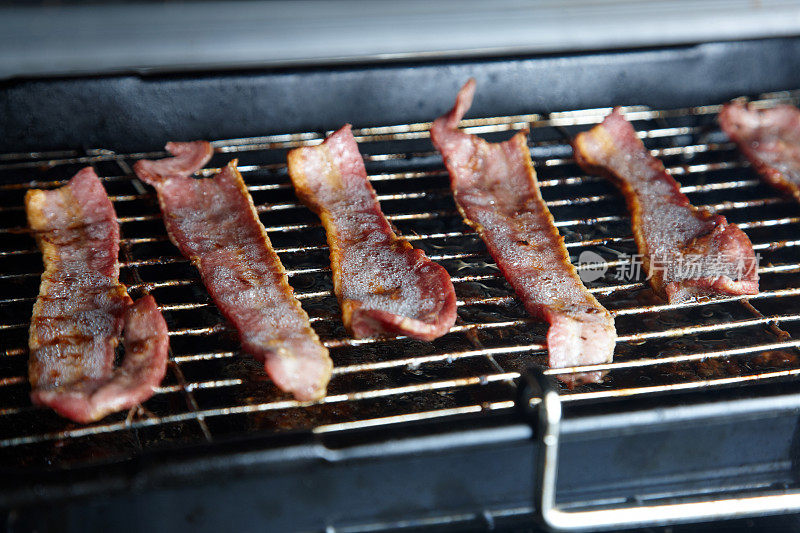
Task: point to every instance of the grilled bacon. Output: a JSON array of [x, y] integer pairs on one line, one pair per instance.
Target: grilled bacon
[[383, 284], [497, 193], [686, 251], [82, 309], [770, 139], [215, 225]]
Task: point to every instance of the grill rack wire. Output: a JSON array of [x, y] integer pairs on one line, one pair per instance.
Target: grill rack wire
[[213, 392]]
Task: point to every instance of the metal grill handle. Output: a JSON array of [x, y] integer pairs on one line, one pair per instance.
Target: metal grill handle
[[537, 385]]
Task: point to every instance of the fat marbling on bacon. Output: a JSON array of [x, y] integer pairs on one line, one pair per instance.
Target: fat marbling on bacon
[[770, 139], [384, 285], [497, 193], [215, 225], [687, 251], [82, 309]]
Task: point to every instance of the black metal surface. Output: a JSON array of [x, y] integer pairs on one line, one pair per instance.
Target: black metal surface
[[745, 437], [463, 472], [141, 113], [69, 37]]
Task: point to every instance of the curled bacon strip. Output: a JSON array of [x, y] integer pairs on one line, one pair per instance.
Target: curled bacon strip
[[215, 225], [82, 308], [770, 139], [496, 191], [384, 285], [687, 251]]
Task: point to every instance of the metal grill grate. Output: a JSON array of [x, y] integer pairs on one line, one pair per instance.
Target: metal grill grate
[[212, 392]]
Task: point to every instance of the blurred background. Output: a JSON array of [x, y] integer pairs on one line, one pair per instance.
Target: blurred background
[[75, 37]]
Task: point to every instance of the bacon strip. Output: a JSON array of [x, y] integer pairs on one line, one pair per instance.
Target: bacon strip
[[770, 139], [497, 193], [384, 285], [687, 251], [215, 225], [82, 309]]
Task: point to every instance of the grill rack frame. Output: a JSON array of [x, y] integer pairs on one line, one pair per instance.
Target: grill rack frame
[[394, 134], [334, 437], [475, 125]]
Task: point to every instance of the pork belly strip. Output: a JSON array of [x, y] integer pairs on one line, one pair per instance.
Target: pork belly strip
[[82, 309], [687, 252], [384, 285], [770, 139], [215, 225], [496, 191]]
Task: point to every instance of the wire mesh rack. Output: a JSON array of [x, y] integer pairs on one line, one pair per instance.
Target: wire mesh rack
[[213, 392]]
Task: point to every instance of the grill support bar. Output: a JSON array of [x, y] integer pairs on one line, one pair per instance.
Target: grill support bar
[[539, 390]]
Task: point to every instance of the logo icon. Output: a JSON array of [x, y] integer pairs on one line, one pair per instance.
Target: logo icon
[[591, 266]]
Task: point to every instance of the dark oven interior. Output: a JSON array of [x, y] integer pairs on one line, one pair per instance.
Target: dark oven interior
[[214, 399]]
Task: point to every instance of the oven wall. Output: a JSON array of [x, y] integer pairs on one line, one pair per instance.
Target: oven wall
[[143, 112]]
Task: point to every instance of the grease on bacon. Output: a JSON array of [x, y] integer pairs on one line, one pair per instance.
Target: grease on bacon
[[770, 139], [688, 252], [82, 310], [215, 225], [497, 193], [384, 285]]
